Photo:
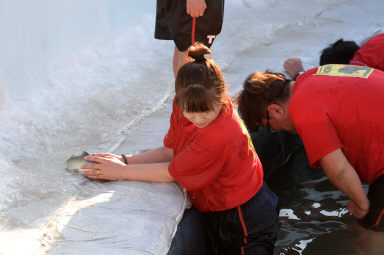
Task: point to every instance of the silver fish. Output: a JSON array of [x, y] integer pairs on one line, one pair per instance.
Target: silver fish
[[75, 162]]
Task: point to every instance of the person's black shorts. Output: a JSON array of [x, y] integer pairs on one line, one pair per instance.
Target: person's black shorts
[[375, 218], [249, 229], [173, 22]]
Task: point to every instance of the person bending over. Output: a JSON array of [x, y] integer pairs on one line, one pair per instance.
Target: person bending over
[[338, 112], [208, 151], [339, 52], [370, 54]]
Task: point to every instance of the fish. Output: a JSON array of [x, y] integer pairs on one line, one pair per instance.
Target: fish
[[75, 162]]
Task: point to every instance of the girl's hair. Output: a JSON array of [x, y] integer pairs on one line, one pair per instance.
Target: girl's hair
[[260, 89], [199, 84]]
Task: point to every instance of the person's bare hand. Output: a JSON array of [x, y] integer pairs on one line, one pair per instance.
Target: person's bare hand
[[196, 8], [293, 66], [356, 210], [107, 167], [109, 155]]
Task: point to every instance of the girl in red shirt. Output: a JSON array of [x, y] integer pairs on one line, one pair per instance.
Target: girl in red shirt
[[208, 151]]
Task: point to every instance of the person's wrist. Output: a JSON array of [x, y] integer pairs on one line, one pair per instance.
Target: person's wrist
[[298, 74], [364, 206], [123, 173]]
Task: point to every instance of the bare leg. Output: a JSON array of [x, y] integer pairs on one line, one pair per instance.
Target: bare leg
[[179, 59]]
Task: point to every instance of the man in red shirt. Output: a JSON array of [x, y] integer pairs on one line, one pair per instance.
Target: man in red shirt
[[339, 52], [338, 111], [371, 54]]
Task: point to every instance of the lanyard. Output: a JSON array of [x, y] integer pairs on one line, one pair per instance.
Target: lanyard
[[193, 30]]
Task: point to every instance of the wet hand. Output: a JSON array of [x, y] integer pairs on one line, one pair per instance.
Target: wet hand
[[196, 8], [108, 167], [357, 211]]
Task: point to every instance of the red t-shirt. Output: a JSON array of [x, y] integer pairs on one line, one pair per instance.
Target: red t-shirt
[[342, 106], [371, 54], [217, 164]]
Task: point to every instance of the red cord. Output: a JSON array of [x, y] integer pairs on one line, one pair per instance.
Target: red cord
[[193, 30]]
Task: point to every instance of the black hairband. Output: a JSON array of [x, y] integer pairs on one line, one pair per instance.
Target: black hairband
[[200, 58]]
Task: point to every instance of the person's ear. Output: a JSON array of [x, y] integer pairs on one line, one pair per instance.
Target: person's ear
[[275, 111]]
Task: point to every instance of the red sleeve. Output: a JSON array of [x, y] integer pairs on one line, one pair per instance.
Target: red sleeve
[[169, 139], [314, 128], [371, 54], [200, 163]]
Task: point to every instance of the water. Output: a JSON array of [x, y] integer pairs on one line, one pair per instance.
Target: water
[[313, 210], [81, 75]]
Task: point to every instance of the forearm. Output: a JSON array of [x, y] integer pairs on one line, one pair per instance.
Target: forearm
[[158, 155], [344, 177], [112, 168], [154, 172], [349, 183]]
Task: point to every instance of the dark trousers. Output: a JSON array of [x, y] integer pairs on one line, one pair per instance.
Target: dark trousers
[[248, 229]]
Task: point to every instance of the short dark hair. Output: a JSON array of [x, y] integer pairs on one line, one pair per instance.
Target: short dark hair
[[340, 52]]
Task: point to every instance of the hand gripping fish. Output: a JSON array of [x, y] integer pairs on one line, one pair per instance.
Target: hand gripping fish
[[75, 162]]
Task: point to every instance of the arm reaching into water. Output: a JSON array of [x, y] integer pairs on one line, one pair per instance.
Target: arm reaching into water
[[149, 166], [344, 177]]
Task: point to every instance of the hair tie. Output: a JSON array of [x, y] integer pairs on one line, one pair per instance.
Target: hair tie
[[200, 58]]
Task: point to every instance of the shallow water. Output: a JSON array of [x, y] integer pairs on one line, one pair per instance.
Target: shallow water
[[313, 209], [315, 220]]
